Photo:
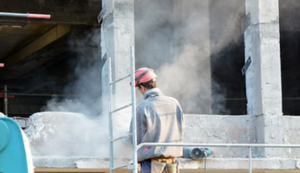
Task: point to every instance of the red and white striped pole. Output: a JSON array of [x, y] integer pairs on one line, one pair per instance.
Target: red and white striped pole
[[27, 15]]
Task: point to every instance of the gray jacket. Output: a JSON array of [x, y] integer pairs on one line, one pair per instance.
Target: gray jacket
[[159, 119]]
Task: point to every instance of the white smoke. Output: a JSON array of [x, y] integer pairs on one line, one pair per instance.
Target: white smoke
[[172, 37], [179, 38], [86, 82], [90, 129]]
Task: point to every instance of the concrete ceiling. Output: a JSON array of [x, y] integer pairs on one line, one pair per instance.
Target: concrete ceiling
[[30, 45], [16, 36]]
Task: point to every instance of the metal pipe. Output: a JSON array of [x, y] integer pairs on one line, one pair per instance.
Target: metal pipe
[[111, 146], [113, 82], [5, 101], [219, 145], [26, 15], [123, 107], [121, 137], [120, 167], [134, 136], [41, 95], [250, 163]]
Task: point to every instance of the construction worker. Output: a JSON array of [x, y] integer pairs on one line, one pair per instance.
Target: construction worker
[[159, 119]]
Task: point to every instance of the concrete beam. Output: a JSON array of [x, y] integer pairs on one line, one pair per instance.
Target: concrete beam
[[263, 78], [46, 39]]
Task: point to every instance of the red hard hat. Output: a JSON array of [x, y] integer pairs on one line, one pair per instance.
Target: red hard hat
[[144, 75]]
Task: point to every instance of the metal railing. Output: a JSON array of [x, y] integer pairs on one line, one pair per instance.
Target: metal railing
[[7, 95], [136, 147], [250, 146]]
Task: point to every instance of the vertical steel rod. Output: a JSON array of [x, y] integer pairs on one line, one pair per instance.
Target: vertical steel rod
[[111, 146], [134, 135], [250, 163], [5, 101]]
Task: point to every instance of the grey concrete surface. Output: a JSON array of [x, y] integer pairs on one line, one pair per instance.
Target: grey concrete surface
[[70, 140], [263, 78], [117, 33], [184, 164], [291, 135]]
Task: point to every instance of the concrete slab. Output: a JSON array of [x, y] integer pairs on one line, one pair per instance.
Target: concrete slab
[[65, 134], [184, 164], [70, 140]]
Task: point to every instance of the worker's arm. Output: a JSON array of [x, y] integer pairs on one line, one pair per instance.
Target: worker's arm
[[182, 120], [180, 113], [140, 123]]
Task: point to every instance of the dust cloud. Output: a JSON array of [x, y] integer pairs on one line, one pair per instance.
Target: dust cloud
[[178, 38]]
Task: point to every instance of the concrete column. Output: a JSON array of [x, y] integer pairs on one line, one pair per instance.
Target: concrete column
[[117, 35], [263, 78]]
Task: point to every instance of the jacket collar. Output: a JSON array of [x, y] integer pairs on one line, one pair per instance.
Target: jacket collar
[[152, 92]]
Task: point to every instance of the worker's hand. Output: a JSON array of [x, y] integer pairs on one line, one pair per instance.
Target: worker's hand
[[126, 140]]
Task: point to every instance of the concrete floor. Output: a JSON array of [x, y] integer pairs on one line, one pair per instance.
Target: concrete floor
[[55, 170]]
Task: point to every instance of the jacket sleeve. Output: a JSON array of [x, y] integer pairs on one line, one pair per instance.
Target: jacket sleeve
[[180, 116], [182, 119], [140, 123]]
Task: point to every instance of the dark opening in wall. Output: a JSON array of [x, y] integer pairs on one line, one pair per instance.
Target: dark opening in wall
[[228, 59], [53, 72], [289, 11]]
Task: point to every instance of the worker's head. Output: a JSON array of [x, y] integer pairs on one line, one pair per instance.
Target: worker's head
[[145, 79]]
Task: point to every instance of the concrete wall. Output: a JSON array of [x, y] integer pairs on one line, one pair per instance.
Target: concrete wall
[[55, 134], [291, 135], [221, 129], [70, 140]]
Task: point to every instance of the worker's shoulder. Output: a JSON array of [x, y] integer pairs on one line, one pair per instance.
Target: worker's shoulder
[[171, 99], [157, 100], [147, 103], [143, 104]]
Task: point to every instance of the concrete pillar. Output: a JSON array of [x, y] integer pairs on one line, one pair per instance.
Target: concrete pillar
[[263, 78], [117, 35]]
